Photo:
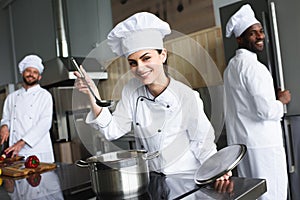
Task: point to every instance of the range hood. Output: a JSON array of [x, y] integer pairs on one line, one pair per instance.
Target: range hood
[[59, 71]]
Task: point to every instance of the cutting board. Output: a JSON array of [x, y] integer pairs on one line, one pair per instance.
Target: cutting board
[[10, 161], [18, 169]]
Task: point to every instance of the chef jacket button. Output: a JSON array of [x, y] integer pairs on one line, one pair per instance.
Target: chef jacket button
[[14, 130], [168, 106], [137, 124], [15, 105], [142, 146], [159, 130], [142, 99]]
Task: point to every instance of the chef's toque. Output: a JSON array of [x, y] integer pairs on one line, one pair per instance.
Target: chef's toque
[[240, 21], [140, 31], [31, 61]]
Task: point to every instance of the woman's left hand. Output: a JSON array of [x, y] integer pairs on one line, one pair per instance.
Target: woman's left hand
[[225, 186], [225, 176]]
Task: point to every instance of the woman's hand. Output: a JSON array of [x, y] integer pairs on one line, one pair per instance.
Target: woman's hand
[[225, 186], [81, 85], [225, 176]]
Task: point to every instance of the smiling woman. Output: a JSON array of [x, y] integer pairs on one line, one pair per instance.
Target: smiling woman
[[147, 66], [166, 115]]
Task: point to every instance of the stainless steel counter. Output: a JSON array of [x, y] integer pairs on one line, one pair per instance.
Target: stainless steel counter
[[71, 182]]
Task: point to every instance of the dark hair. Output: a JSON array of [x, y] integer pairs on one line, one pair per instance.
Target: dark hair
[[165, 63]]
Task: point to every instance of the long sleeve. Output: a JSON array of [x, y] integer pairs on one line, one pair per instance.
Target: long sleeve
[[117, 124], [258, 82], [6, 114], [201, 133]]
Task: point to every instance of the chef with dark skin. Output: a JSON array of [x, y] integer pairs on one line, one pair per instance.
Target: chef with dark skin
[[253, 113]]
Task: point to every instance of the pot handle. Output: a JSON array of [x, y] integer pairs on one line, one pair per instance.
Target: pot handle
[[150, 156], [81, 163]]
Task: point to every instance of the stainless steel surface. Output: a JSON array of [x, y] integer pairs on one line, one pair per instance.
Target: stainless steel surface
[[75, 183], [294, 141], [277, 49], [289, 147], [118, 173], [59, 70], [101, 103], [220, 163], [62, 44], [123, 158]]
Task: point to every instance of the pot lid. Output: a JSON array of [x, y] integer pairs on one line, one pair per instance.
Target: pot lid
[[220, 163]]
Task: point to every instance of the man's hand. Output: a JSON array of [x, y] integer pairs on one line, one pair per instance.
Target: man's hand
[[4, 134], [284, 96], [16, 148]]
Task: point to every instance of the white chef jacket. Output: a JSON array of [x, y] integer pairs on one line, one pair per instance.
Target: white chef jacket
[[253, 118], [28, 115], [173, 123]]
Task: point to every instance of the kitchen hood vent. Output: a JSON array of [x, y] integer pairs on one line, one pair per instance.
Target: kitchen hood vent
[[59, 71]]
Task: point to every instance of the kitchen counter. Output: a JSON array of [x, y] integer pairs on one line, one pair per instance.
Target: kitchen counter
[[68, 181]]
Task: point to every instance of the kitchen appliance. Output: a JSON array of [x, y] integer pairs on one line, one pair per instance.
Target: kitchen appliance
[[59, 70], [280, 20], [121, 173]]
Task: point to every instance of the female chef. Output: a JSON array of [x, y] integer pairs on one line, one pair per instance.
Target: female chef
[[166, 115]]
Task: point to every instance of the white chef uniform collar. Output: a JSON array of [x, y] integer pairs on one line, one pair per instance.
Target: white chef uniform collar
[[240, 21], [140, 31], [31, 61]]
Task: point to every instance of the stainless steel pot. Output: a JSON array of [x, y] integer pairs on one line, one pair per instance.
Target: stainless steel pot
[[121, 173]]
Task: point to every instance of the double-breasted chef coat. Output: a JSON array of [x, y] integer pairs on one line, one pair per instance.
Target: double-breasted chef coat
[[28, 115], [173, 123], [253, 118]]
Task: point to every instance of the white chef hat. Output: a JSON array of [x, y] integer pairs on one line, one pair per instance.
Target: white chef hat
[[140, 31], [240, 21], [31, 61]]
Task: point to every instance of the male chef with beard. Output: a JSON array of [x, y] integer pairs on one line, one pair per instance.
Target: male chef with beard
[[253, 113], [27, 115]]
